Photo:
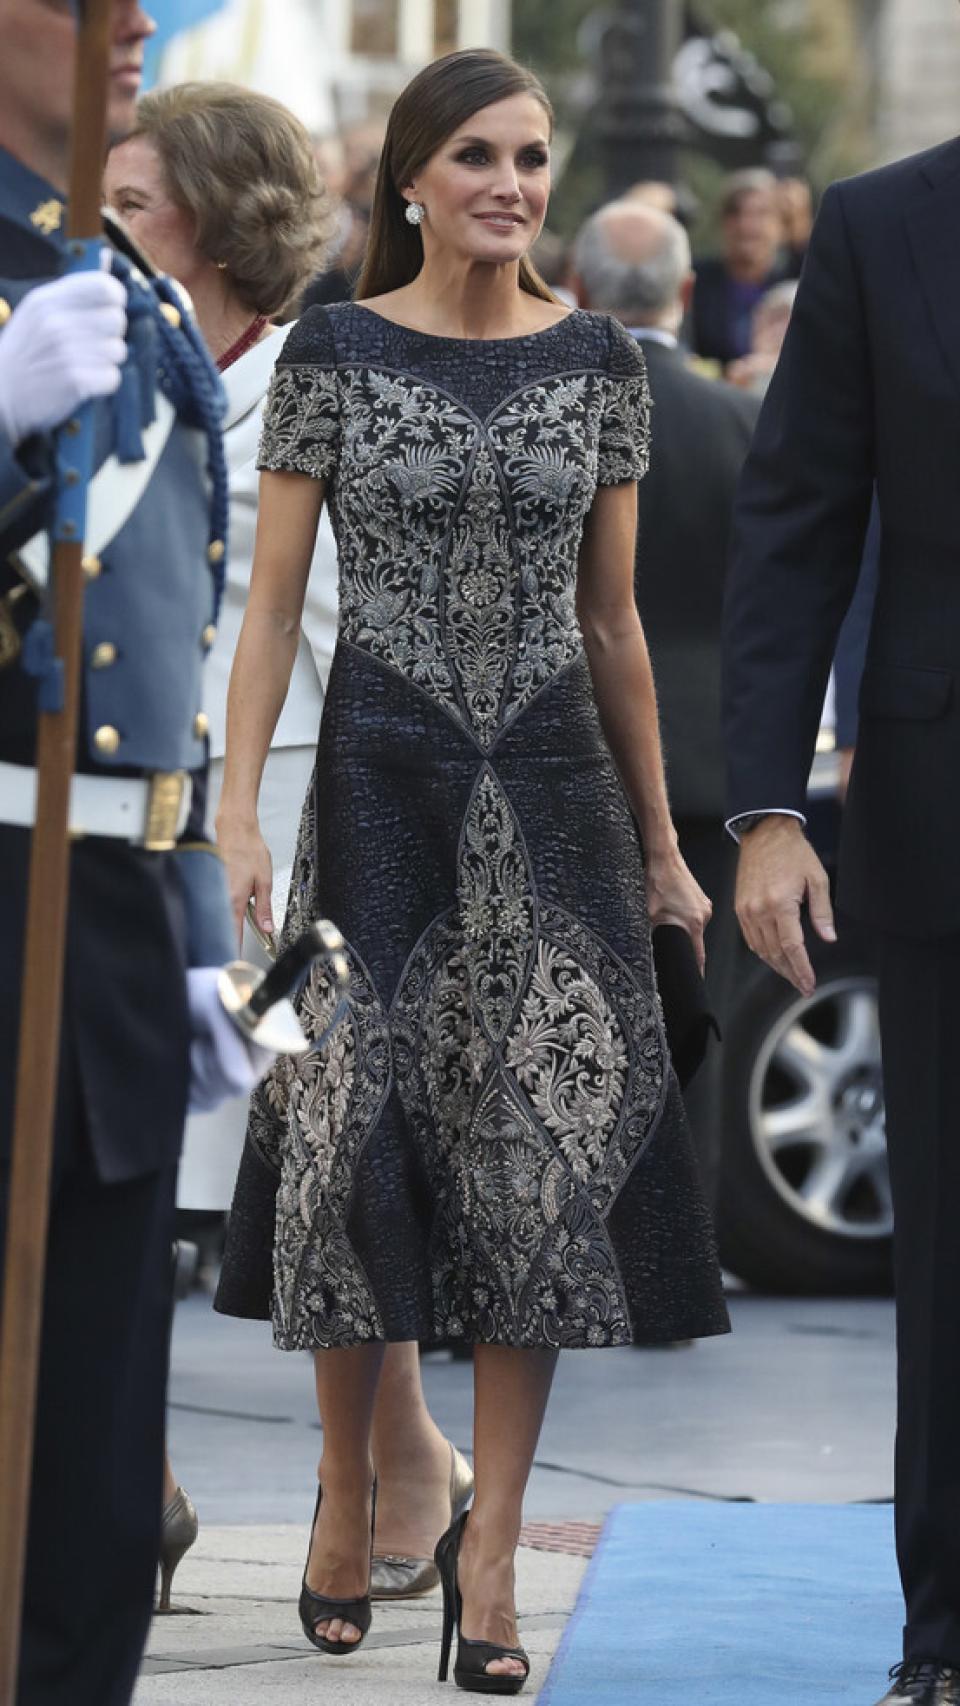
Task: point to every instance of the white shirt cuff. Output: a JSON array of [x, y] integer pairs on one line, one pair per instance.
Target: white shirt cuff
[[732, 824]]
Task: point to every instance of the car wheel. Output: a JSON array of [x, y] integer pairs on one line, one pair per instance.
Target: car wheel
[[804, 1199]]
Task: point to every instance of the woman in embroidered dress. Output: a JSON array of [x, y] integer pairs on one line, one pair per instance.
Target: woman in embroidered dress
[[491, 1145]]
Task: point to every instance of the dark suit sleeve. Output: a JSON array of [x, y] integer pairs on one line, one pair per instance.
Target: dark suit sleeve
[[801, 518], [852, 644]]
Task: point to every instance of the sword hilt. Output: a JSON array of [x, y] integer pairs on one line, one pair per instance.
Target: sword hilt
[[284, 976]]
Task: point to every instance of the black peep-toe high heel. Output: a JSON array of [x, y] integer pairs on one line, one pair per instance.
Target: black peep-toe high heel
[[317, 1608], [469, 1670]]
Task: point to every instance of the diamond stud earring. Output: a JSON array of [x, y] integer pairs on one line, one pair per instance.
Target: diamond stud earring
[[415, 212]]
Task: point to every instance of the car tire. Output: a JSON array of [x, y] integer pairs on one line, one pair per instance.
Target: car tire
[[769, 1234]]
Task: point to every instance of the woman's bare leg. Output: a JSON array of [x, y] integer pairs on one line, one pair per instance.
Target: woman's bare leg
[[411, 1458], [512, 1384], [169, 1482], [339, 1562]]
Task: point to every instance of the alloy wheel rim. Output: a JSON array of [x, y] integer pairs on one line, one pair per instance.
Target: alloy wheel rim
[[816, 1111]]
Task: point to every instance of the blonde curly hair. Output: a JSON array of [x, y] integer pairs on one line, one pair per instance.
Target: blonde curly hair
[[244, 167]]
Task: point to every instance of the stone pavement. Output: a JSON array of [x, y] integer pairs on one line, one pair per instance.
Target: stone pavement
[[796, 1405], [234, 1638]]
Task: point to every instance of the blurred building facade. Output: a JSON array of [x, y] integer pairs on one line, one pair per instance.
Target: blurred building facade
[[335, 62], [917, 48], [338, 63]]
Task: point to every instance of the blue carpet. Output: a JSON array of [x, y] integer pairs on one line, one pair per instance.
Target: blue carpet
[[733, 1605]]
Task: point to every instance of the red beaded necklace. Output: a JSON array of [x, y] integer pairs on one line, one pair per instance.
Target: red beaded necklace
[[245, 341]]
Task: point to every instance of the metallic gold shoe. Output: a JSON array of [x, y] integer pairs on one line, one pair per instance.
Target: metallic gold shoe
[[395, 1577], [177, 1535]]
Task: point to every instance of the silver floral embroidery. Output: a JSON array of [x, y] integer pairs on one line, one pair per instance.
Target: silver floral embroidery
[[530, 1066], [570, 1056], [548, 455], [638, 1023], [301, 422], [405, 453], [495, 893], [624, 453], [459, 539], [480, 615], [309, 1120]]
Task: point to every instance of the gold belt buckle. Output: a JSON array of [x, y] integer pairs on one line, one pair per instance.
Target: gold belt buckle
[[163, 810]]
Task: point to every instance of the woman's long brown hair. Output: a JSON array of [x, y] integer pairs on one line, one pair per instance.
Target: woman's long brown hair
[[435, 104]]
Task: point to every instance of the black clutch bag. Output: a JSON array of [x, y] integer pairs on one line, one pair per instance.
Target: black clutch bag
[[688, 1017]]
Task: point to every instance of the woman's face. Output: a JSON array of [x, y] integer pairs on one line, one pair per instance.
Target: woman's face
[[486, 188], [135, 188]]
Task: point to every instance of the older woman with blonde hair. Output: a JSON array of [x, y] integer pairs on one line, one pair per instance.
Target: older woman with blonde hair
[[221, 189]]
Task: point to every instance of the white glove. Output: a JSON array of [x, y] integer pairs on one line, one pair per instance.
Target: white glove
[[223, 1062], [63, 344]]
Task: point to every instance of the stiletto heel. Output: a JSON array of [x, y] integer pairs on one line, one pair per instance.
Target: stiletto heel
[[178, 1532], [449, 1623], [317, 1608], [470, 1667]]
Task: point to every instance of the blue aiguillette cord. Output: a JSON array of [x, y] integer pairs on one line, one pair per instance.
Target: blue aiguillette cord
[[73, 471]]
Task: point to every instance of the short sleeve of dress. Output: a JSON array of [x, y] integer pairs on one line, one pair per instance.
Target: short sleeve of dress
[[625, 426], [301, 416]]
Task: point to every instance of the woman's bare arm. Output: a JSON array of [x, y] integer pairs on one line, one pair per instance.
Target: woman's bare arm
[[626, 700], [288, 513]]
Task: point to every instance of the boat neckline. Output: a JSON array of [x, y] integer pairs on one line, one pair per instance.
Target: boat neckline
[[440, 338]]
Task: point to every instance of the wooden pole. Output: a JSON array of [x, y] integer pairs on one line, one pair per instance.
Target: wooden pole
[[42, 990]]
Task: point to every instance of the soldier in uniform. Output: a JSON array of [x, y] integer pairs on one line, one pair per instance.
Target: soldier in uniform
[[149, 922]]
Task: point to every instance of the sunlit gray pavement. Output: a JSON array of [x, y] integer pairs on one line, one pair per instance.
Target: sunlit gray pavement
[[796, 1405]]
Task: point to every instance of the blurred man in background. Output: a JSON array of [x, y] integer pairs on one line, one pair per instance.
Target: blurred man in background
[[633, 260]]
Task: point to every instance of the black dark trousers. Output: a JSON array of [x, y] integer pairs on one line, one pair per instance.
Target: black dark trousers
[[712, 857], [95, 1507], [920, 1018]]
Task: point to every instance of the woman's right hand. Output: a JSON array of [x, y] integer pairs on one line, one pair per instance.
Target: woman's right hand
[[249, 869]]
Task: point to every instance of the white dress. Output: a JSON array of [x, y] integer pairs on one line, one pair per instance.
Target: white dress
[[213, 1142]]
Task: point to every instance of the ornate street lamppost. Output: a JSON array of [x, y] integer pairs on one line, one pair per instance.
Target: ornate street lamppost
[[641, 126]]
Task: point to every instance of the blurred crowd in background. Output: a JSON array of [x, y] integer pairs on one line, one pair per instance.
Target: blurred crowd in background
[[744, 290]]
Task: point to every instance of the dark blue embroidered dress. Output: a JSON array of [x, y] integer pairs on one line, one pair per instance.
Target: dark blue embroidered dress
[[492, 1145]]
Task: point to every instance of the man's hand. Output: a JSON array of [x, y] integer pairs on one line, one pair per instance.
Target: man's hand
[[64, 344], [778, 871]]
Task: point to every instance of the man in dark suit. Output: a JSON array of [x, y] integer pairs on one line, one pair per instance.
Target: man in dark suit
[[633, 260], [868, 393], [141, 1031]]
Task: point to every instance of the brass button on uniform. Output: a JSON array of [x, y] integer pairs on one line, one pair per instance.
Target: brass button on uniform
[[216, 551], [172, 315], [208, 636], [91, 567], [106, 739], [103, 655], [5, 310], [201, 724]]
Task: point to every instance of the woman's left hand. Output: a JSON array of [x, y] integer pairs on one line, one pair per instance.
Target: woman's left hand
[[675, 897]]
